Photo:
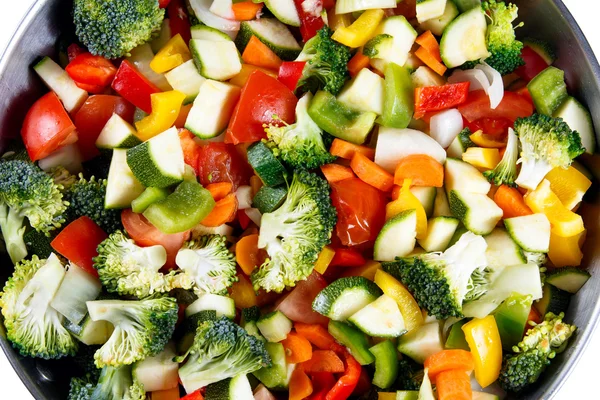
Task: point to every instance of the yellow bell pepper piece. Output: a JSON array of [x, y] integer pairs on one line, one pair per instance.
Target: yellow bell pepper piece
[[569, 185], [165, 109], [413, 318], [324, 259], [242, 77], [566, 251], [480, 157], [361, 30], [564, 222], [336, 21], [483, 140], [366, 271], [242, 292], [408, 201], [483, 338], [172, 55], [386, 396]]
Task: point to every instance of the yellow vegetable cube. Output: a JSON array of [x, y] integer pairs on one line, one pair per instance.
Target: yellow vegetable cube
[[569, 185], [325, 257], [408, 201], [481, 157], [413, 318], [566, 251], [361, 30]]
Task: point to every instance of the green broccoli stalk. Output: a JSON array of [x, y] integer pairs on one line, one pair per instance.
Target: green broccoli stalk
[[534, 353], [142, 328], [221, 350], [32, 325], [115, 383], [128, 269], [504, 48], [86, 198], [300, 145], [440, 282], [546, 143], [112, 28], [506, 171], [380, 46], [326, 64], [295, 233], [27, 192], [208, 263]]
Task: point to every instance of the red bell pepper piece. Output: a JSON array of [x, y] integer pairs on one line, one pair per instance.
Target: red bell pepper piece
[[91, 70], [78, 242], [179, 20], [511, 107], [191, 149], [74, 50], [47, 127], [347, 382], [318, 336], [347, 258], [134, 87], [364, 383], [309, 22], [534, 64], [243, 219], [163, 3], [262, 98], [435, 98], [290, 73]]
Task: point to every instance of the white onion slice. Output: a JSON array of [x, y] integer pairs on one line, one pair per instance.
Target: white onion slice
[[254, 215], [222, 8], [477, 78], [496, 90], [202, 10], [445, 126]]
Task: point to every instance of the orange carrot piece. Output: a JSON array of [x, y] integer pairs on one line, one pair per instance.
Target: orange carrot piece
[[300, 385], [371, 173], [182, 116], [224, 211], [510, 200], [335, 172], [317, 335], [343, 149], [255, 184], [247, 253], [454, 385], [259, 54], [246, 10], [430, 60], [297, 348], [534, 316], [446, 360], [219, 190], [324, 361], [396, 192], [167, 394], [422, 169], [242, 292], [358, 62], [429, 43], [242, 77]]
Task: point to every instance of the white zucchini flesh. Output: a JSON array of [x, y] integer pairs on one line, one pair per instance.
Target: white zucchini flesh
[[579, 119], [531, 232], [429, 9], [215, 59], [364, 92], [348, 6], [223, 9], [159, 372], [464, 177], [68, 157], [464, 39], [285, 11], [186, 79], [122, 186], [397, 237], [206, 32], [76, 288], [221, 304], [59, 81], [381, 318], [422, 342], [117, 133], [404, 37], [212, 109], [395, 144], [440, 231]]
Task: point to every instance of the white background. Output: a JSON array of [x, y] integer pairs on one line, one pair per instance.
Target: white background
[[581, 383]]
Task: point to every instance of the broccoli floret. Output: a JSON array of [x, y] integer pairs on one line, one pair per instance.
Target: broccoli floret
[[506, 171], [479, 283], [208, 263], [546, 143], [410, 375], [504, 48], [440, 282], [301, 144], [326, 64], [81, 388], [86, 198], [27, 192], [112, 28], [295, 233], [142, 328], [63, 177], [32, 325], [535, 352], [379, 47], [114, 383], [221, 350], [128, 269]]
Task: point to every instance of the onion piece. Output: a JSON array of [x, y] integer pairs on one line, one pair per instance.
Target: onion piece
[[254, 215], [222, 8], [445, 126], [496, 90], [477, 78], [202, 10]]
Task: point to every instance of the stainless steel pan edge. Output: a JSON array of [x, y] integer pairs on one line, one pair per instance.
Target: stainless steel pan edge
[[545, 19]]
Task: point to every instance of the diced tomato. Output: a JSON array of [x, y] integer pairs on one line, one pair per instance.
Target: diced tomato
[[511, 107], [191, 149], [309, 22], [163, 3], [146, 234], [490, 126], [78, 242], [360, 210], [179, 21], [347, 258], [221, 162], [74, 50], [91, 70], [408, 8], [290, 73], [243, 219], [297, 304], [435, 98], [534, 64], [47, 127], [197, 395], [525, 93], [262, 98], [93, 115], [134, 86]]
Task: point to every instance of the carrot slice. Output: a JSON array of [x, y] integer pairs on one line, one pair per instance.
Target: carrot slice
[[335, 172], [247, 253], [184, 111], [246, 10], [219, 190], [358, 62], [454, 385], [223, 212], [510, 200], [297, 348], [324, 361], [300, 385], [371, 173], [343, 149], [317, 335], [255, 184], [447, 360], [430, 59], [422, 169], [259, 54], [429, 43]]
